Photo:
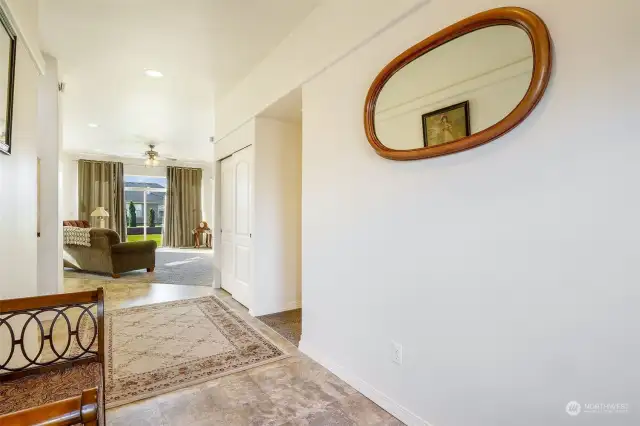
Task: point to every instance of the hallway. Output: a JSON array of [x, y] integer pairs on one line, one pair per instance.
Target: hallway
[[295, 390]]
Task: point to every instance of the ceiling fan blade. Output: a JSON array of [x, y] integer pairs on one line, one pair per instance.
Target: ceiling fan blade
[[165, 158]]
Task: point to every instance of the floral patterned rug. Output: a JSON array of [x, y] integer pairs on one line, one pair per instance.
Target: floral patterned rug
[[159, 348]]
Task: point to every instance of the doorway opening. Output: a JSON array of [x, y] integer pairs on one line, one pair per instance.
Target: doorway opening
[[145, 199]]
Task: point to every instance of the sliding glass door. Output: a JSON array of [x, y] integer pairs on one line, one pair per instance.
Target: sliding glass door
[[145, 200]]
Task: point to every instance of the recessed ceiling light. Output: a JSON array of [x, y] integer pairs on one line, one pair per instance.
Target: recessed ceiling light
[[93, 125], [153, 73]]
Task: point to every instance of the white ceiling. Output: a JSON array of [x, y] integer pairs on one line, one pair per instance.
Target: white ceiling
[[203, 47]]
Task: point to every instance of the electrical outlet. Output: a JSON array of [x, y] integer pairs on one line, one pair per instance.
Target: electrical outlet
[[396, 356]]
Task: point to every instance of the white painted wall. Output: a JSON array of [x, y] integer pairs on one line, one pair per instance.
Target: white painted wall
[[469, 68], [50, 277], [18, 239], [508, 272], [132, 166], [276, 213], [277, 216], [69, 187], [241, 138], [304, 53], [23, 16]]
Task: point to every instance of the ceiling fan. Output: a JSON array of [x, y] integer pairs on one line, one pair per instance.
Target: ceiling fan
[[152, 157]]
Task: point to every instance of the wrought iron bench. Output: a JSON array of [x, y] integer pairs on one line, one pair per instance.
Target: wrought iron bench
[[52, 360]]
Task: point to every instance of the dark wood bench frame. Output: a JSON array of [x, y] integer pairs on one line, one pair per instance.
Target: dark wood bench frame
[[83, 408]]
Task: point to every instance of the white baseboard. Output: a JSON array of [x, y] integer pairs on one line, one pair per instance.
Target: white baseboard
[[400, 412]]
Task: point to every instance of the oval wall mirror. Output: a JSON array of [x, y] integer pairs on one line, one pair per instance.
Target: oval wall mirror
[[462, 87]]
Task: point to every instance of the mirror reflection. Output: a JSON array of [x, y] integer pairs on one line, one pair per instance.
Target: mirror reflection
[[5, 66], [455, 90]]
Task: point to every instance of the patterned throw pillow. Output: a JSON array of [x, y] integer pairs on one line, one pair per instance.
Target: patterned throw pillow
[[77, 236]]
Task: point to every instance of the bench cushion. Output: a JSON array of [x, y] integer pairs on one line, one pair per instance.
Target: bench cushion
[[40, 389]]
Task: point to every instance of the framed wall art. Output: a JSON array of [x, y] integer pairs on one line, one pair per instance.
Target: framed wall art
[[446, 125]]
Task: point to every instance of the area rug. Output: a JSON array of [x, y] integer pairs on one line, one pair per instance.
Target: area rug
[[159, 348], [288, 324]]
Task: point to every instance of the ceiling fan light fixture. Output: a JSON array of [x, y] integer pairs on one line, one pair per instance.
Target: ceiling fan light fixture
[[152, 157], [151, 162]]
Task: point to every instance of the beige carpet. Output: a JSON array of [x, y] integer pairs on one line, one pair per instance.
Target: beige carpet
[[158, 348], [175, 266], [288, 324]]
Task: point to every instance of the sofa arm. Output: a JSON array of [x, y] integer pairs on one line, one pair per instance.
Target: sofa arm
[[134, 247], [103, 238]]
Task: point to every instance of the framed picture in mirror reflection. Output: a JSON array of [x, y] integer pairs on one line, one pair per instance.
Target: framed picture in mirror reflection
[[446, 125]]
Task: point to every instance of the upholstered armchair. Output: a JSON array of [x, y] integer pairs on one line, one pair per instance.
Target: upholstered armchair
[[107, 254]]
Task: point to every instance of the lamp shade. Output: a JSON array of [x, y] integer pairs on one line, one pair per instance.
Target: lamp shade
[[100, 212]]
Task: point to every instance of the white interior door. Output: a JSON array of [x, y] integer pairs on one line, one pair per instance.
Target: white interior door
[[236, 185]]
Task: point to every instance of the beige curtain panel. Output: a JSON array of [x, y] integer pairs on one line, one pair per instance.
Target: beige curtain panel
[[184, 206], [101, 184]]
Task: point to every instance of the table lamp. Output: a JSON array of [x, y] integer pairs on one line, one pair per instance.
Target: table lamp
[[101, 213]]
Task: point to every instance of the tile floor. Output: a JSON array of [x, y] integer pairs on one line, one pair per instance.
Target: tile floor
[[294, 391]]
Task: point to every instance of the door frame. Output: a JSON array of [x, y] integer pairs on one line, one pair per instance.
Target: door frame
[[145, 191], [217, 241], [230, 285]]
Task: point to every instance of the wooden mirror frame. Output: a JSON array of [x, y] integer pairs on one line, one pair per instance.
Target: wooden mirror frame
[[542, 58]]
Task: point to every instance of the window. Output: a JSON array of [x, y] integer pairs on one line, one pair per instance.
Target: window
[[145, 199]]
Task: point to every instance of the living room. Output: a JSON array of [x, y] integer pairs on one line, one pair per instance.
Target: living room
[[144, 203]]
